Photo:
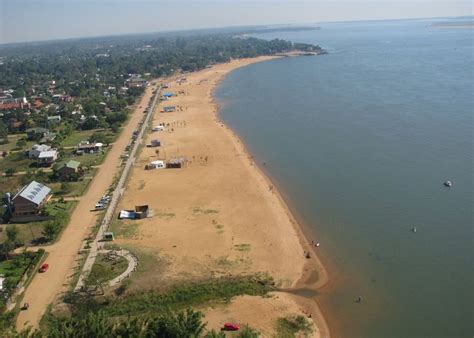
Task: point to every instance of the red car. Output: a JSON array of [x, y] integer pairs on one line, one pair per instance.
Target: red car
[[231, 327], [44, 267]]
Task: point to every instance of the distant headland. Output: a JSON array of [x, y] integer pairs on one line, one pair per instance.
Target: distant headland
[[454, 24]]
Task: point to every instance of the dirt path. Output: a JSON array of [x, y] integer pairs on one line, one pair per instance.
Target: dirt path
[[132, 265], [63, 255]]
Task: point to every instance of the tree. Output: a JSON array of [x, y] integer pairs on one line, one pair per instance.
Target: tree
[[99, 137], [12, 233], [6, 247], [115, 127], [65, 187], [50, 230], [10, 172], [27, 178], [89, 123], [21, 143], [182, 324], [118, 117], [3, 133]]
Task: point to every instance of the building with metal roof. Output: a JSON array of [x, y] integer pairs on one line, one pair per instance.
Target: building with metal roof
[[46, 158], [30, 199], [70, 171]]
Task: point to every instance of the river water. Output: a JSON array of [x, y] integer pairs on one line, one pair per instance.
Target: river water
[[360, 142]]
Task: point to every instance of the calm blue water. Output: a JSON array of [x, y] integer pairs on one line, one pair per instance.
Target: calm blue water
[[360, 142]]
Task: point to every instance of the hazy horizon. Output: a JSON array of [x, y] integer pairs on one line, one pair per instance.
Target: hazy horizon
[[30, 20]]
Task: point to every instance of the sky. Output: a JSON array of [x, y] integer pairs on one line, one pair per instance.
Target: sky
[[32, 20]]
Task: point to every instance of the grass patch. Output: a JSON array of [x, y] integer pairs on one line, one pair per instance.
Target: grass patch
[[77, 270], [30, 233], [105, 269], [10, 184], [60, 209], [293, 325], [87, 160], [166, 215], [74, 189], [18, 161], [198, 210], [77, 136], [220, 228], [224, 261], [27, 232], [242, 247], [149, 269], [125, 229], [12, 146]]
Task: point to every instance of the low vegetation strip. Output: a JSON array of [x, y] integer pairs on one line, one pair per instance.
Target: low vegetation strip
[[175, 298], [293, 326]]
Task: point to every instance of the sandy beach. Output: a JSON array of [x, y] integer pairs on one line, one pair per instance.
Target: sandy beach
[[219, 215]]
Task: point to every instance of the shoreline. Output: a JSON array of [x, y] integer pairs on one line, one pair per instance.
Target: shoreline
[[215, 235], [314, 264]]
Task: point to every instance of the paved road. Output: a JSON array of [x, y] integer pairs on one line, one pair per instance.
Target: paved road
[[63, 255]]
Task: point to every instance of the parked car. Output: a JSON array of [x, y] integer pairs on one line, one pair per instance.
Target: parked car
[[231, 327], [44, 267], [99, 206]]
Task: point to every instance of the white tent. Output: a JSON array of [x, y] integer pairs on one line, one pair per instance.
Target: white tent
[[157, 164], [127, 214]]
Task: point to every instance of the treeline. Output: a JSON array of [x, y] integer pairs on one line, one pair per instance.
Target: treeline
[[90, 74], [187, 323], [81, 60]]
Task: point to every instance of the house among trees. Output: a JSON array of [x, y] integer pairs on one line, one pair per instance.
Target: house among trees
[[136, 81], [13, 103], [43, 154], [37, 149], [54, 120], [41, 135], [89, 148], [30, 200], [47, 158], [70, 171]]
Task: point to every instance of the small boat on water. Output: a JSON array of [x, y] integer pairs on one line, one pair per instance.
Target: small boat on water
[[448, 184], [413, 229]]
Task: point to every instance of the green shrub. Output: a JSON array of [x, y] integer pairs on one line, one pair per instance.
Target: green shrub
[[290, 326]]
